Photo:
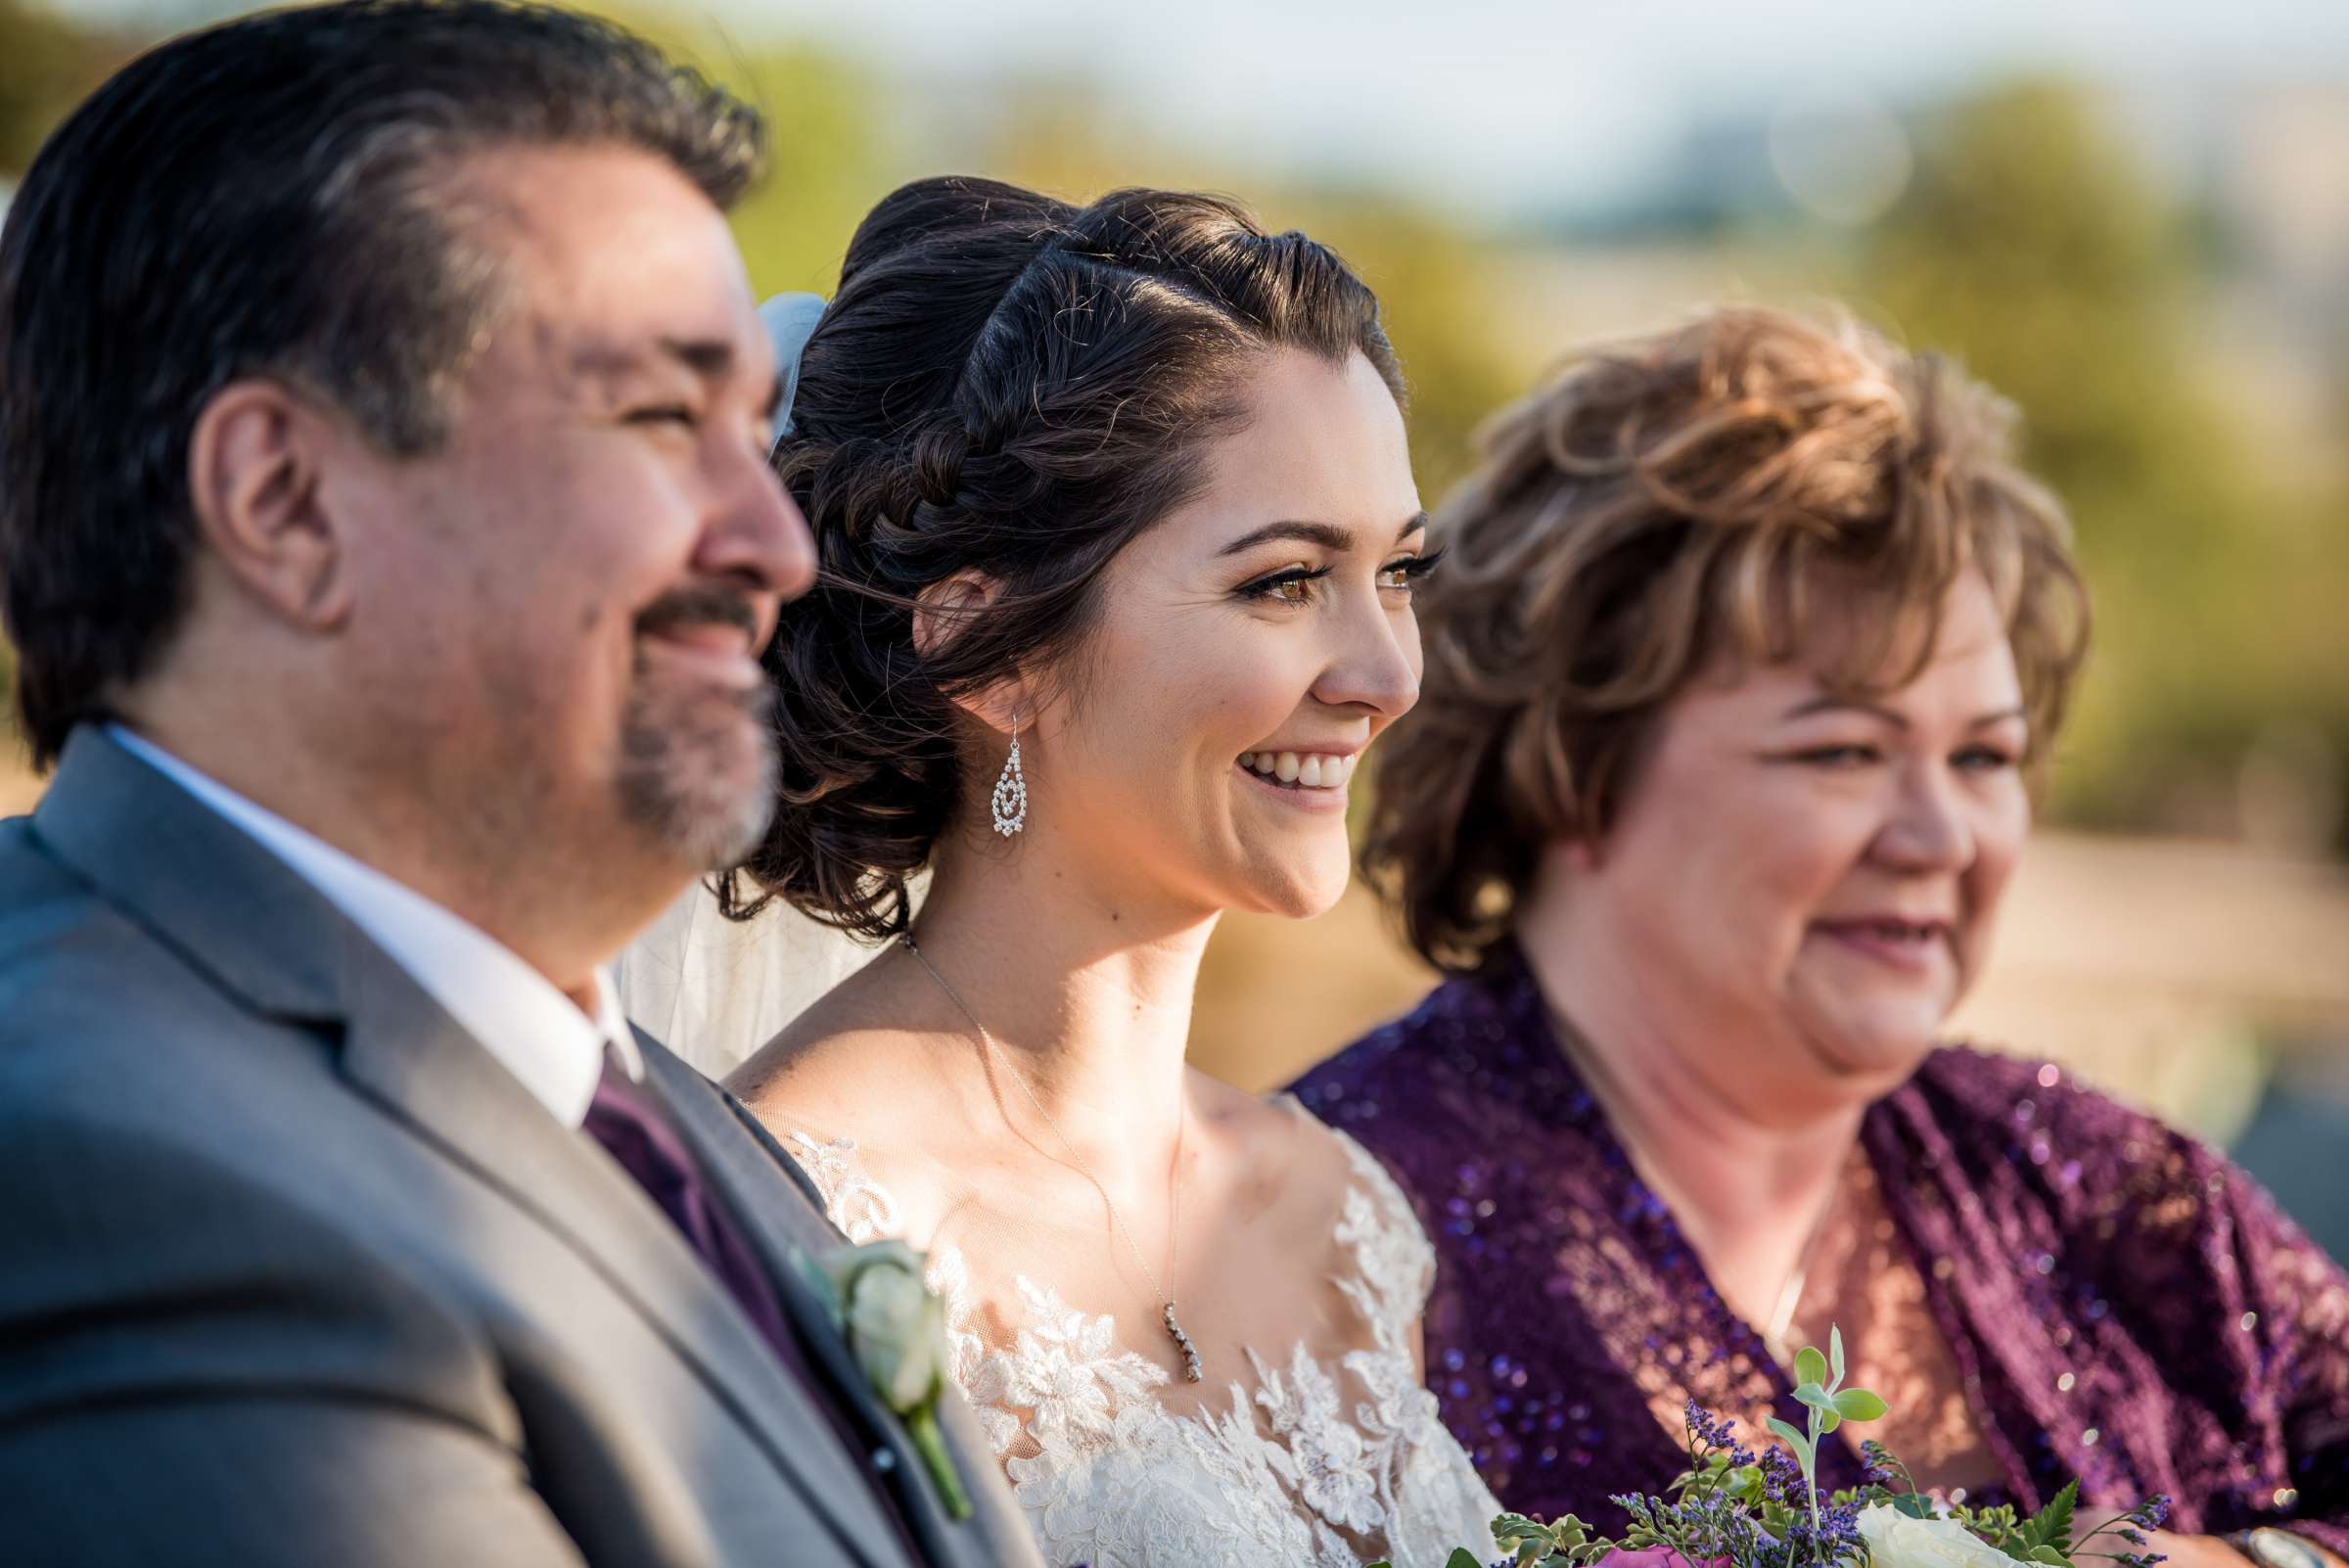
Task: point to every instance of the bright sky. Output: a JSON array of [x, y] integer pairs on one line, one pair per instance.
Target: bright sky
[[1495, 102]]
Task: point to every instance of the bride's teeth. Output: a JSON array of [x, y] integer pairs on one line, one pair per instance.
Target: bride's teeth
[[1284, 767], [1345, 768], [1309, 772]]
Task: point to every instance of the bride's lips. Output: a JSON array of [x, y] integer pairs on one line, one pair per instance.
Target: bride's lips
[[1312, 781]]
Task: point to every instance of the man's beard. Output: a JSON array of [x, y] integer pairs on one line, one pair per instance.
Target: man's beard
[[698, 766]]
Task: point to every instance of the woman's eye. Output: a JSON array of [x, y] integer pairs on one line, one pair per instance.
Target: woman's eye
[[665, 414], [1984, 760], [1405, 572], [1295, 587], [1841, 757]]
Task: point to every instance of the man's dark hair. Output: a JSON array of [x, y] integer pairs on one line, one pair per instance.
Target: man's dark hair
[[271, 196]]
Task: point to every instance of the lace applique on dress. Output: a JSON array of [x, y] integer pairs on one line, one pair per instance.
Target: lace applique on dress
[[1322, 1465]]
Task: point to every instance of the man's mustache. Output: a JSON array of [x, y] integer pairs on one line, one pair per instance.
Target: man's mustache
[[705, 604]]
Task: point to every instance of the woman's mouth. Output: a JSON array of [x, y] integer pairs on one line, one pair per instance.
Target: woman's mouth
[[1306, 770], [1910, 944]]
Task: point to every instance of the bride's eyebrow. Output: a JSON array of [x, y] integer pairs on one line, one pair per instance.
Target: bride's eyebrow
[[1328, 535]]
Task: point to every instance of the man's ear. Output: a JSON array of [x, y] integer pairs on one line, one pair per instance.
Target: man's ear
[[945, 608], [255, 461]]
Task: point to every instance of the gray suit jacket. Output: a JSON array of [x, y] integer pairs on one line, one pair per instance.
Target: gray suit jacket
[[293, 1272]]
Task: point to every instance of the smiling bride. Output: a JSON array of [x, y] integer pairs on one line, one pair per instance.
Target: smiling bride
[[1120, 534]]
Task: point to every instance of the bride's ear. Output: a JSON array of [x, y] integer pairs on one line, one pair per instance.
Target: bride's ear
[[942, 612]]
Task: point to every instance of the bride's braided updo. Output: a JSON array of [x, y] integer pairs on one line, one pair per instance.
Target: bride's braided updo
[[1014, 386]]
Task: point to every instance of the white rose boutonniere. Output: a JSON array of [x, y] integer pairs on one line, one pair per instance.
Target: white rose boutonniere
[[897, 1333], [1897, 1540]]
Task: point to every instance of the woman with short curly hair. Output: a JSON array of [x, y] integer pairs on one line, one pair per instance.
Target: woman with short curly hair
[[1118, 537], [1750, 641]]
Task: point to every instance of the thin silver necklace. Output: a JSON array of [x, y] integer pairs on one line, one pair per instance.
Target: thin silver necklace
[[1193, 1371]]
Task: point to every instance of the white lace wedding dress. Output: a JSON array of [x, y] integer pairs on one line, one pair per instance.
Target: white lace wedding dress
[[1304, 1463]]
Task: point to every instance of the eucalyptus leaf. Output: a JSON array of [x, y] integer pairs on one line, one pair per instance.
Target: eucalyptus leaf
[[1859, 1405], [1792, 1438], [1835, 1351], [1810, 1366], [1829, 1421], [1819, 1399]]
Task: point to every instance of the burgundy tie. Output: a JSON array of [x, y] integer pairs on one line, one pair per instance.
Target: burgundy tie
[[625, 1119]]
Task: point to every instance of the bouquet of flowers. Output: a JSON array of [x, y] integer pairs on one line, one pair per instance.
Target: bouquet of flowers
[[1734, 1508]]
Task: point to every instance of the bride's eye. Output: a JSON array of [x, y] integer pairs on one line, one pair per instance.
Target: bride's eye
[[1405, 572], [1292, 586]]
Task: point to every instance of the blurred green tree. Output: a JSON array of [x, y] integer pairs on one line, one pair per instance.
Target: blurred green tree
[[826, 165], [47, 64], [2032, 247]]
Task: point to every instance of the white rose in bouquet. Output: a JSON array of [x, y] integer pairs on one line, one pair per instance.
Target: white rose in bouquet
[[1896, 1541]]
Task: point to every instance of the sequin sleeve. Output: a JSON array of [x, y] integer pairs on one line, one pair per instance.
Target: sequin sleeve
[[2297, 1301], [2158, 1272]]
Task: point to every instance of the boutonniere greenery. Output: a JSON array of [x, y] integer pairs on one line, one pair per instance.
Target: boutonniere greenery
[[896, 1328]]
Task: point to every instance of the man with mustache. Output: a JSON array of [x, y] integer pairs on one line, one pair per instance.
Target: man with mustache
[[388, 539]]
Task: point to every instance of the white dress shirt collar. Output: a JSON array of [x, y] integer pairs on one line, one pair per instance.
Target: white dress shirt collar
[[530, 1027]]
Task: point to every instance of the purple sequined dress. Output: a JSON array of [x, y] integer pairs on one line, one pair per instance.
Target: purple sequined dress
[[2123, 1304]]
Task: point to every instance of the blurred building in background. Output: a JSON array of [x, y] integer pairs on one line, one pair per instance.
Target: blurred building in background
[[2133, 219]]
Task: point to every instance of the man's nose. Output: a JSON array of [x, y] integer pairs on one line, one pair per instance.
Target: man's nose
[[759, 536]]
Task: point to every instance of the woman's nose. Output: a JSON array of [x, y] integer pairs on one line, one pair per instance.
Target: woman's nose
[[1375, 664], [1929, 830]]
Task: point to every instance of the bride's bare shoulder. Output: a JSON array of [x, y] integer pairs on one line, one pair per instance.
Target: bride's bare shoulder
[[1296, 1166], [824, 1069]]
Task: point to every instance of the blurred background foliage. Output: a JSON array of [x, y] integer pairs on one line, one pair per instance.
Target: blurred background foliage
[[2164, 294], [2028, 237]]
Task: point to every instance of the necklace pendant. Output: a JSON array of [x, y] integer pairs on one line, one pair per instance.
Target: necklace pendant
[[1183, 1341]]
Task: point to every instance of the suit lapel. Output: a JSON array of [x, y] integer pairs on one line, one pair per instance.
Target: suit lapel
[[408, 1054], [238, 914], [751, 1173]]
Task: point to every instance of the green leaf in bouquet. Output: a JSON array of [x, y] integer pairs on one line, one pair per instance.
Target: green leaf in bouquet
[[1914, 1505], [1859, 1405], [1791, 1437], [1823, 1401], [1835, 1351], [1462, 1557], [2051, 1556], [1810, 1366], [2052, 1526]]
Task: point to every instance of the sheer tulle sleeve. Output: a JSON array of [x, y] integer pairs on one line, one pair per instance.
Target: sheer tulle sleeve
[[715, 990]]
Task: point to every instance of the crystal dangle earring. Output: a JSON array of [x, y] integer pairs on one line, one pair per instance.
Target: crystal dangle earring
[[1009, 803]]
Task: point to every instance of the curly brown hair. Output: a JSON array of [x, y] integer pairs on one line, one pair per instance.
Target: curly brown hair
[[1015, 386], [1665, 500]]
